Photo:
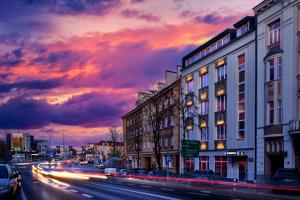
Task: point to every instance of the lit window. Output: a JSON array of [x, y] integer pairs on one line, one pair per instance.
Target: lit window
[[204, 80], [204, 163], [190, 86], [221, 165]]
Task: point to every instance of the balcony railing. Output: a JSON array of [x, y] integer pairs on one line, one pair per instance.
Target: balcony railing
[[294, 127]]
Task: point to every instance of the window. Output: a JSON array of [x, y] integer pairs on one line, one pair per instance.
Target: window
[[279, 68], [190, 86], [221, 73], [172, 120], [221, 165], [204, 163], [241, 96], [203, 80], [204, 134], [203, 108], [274, 33], [166, 122], [221, 103], [271, 69], [221, 132], [271, 112], [279, 111], [244, 29]]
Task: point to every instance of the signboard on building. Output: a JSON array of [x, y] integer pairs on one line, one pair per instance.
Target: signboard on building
[[190, 148]]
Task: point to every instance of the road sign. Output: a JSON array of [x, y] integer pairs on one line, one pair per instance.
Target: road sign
[[190, 148]]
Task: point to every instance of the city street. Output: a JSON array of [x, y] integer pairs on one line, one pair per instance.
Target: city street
[[39, 187]]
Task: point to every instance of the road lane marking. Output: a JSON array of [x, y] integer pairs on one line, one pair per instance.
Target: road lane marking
[[86, 195], [138, 192], [167, 189], [74, 190], [206, 192]]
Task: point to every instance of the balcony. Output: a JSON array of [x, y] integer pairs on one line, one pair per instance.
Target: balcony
[[203, 94], [220, 88], [220, 118], [294, 128], [189, 99]]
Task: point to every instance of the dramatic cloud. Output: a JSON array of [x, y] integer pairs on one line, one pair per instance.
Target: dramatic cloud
[[32, 84], [75, 7], [87, 110], [11, 59], [130, 13]]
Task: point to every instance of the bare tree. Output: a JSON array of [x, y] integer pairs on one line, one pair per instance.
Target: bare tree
[[114, 136]]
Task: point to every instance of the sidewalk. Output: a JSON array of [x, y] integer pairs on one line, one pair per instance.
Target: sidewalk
[[237, 191]]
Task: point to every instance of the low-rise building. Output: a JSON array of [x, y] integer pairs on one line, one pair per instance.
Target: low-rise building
[[104, 149]]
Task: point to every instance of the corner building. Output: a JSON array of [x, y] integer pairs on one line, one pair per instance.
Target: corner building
[[220, 74], [278, 86]]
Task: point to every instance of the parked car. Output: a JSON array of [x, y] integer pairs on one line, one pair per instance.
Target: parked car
[[288, 178], [160, 173], [8, 182], [206, 175]]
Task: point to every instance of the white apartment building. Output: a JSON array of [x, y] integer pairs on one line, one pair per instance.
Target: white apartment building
[[278, 88], [219, 79]]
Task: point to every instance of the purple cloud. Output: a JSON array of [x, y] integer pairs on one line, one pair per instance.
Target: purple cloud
[[12, 58], [131, 13], [87, 110]]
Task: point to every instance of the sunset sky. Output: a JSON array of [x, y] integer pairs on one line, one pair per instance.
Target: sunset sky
[[75, 66]]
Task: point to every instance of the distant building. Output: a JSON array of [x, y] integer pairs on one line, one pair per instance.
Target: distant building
[[138, 134], [20, 146], [104, 149]]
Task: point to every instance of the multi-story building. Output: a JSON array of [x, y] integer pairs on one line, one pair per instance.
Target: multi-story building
[[139, 134], [278, 86], [104, 149], [219, 77]]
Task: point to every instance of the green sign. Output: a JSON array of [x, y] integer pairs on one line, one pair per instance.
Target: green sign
[[190, 148]]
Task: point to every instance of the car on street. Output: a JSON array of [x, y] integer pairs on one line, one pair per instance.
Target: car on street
[[286, 178], [205, 175], [8, 182]]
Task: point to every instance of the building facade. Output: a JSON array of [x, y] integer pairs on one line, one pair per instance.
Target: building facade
[[219, 78], [139, 138], [104, 149], [278, 103]]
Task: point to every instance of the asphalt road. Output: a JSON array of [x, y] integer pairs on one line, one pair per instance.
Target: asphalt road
[[36, 187]]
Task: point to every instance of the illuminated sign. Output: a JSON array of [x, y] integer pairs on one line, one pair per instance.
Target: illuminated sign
[[203, 70], [235, 153]]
